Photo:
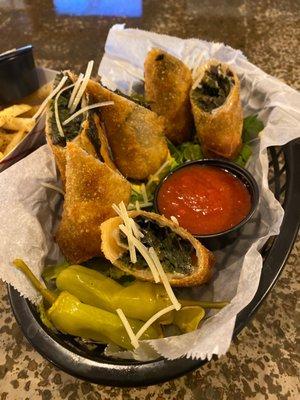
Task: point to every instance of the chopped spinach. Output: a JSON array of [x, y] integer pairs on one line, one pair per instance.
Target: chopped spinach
[[93, 136], [72, 129], [213, 89], [135, 97], [174, 252]]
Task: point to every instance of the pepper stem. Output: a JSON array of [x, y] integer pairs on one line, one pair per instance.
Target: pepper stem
[[204, 304], [22, 266]]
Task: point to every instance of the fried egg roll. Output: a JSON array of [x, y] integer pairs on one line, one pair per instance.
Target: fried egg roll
[[91, 189], [168, 83], [135, 134], [184, 259], [217, 109], [85, 130]]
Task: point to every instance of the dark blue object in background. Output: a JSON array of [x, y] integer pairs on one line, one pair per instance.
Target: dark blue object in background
[[107, 8]]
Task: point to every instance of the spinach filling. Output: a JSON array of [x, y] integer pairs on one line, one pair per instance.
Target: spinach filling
[[92, 134], [135, 97], [175, 253], [213, 88], [72, 129]]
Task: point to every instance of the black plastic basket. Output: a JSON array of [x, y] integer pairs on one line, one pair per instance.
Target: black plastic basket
[[68, 355]]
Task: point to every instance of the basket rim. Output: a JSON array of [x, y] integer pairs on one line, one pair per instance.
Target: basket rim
[[137, 374]]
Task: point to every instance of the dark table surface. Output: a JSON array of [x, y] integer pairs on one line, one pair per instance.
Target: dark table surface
[[261, 362]]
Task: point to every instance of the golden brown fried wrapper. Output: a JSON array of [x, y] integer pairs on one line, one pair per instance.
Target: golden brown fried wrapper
[[82, 139], [168, 83], [220, 131], [91, 189], [135, 134], [204, 260]]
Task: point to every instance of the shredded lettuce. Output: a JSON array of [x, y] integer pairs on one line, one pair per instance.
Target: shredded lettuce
[[251, 127]]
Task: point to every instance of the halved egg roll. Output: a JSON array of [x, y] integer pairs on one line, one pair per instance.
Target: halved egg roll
[[91, 189], [217, 109], [183, 258], [135, 134], [168, 83], [84, 130]]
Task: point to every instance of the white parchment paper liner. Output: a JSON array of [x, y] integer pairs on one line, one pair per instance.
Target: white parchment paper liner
[[29, 212]]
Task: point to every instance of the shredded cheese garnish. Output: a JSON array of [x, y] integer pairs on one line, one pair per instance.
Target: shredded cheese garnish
[[84, 109], [144, 252], [144, 193], [51, 95], [138, 205], [135, 229], [53, 187], [175, 220], [155, 176], [57, 120], [153, 319], [83, 86], [75, 90], [134, 341], [164, 279], [122, 212]]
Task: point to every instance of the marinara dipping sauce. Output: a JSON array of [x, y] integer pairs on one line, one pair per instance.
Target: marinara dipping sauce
[[204, 199]]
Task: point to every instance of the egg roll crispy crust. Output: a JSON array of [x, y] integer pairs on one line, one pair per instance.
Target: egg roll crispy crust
[[81, 140], [167, 86], [220, 131], [91, 189], [135, 134], [112, 251]]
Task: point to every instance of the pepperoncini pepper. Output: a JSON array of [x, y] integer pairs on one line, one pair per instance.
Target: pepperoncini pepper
[[139, 300], [70, 316]]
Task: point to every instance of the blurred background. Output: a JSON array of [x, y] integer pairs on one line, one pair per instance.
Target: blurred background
[[68, 33]]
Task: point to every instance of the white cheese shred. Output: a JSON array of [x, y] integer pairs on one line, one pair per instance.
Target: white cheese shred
[[53, 187], [122, 212], [155, 176], [145, 254], [51, 95], [138, 205], [84, 109], [135, 229], [75, 90], [133, 339], [83, 86], [153, 319], [56, 114], [164, 279], [175, 220], [144, 193]]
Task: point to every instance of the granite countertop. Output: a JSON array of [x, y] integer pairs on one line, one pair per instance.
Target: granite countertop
[[262, 361]]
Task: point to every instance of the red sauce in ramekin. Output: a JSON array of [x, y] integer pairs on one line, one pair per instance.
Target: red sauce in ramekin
[[204, 199]]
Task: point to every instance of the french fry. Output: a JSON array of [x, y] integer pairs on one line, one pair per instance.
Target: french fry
[[5, 139], [17, 124], [16, 139], [15, 110], [30, 113]]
